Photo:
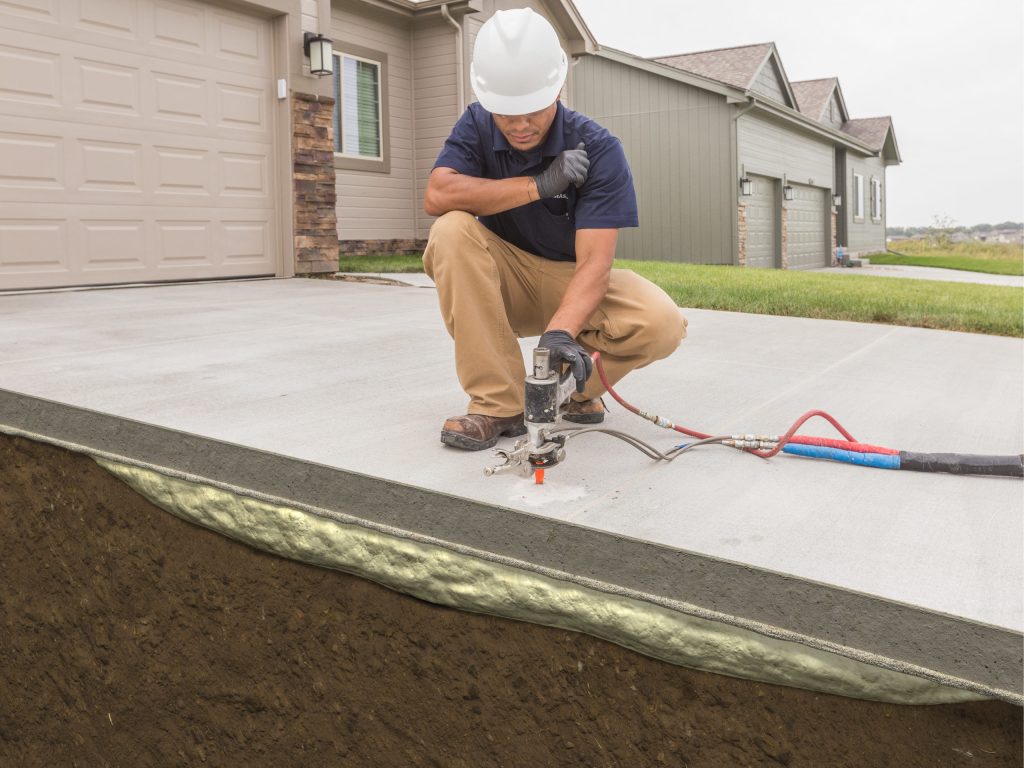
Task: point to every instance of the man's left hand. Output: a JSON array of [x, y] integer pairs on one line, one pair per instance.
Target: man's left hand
[[564, 349]]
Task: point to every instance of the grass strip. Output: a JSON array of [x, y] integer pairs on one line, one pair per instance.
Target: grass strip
[[952, 261], [968, 307], [381, 262]]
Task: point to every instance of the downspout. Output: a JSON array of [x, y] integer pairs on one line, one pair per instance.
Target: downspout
[[460, 64]]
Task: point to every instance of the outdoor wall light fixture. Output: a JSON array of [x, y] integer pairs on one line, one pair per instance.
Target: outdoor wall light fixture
[[837, 200], [746, 187], [787, 192], [318, 49]]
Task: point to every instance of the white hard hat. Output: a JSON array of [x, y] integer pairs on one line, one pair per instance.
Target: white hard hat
[[518, 66]]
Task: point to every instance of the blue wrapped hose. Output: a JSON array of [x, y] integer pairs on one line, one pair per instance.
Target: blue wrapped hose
[[878, 460]]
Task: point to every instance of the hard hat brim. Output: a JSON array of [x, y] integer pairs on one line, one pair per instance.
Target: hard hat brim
[[522, 104]]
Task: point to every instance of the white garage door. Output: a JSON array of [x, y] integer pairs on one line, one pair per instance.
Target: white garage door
[[135, 142], [761, 216], [807, 241]]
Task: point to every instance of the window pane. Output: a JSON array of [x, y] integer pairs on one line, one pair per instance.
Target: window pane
[[368, 108], [336, 77], [357, 107]]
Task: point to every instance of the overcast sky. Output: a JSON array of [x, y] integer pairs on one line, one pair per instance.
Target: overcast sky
[[951, 75]]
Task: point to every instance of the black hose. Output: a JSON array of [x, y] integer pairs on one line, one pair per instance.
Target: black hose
[[963, 464]]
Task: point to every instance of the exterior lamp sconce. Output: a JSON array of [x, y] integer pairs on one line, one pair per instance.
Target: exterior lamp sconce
[[787, 192], [837, 200], [318, 49], [746, 187]]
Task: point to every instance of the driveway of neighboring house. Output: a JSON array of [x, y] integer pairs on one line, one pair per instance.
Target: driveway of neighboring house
[[360, 377], [927, 273]]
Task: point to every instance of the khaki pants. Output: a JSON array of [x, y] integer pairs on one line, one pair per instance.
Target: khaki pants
[[492, 292]]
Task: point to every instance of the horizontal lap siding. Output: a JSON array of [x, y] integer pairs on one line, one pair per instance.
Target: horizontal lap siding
[[371, 205], [435, 96], [770, 149], [677, 140]]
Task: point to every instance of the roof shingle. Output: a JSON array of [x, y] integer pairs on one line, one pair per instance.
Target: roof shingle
[[732, 66], [869, 130], [812, 95]]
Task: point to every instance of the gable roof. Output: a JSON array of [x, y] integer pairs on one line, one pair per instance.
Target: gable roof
[[737, 66], [812, 96], [877, 133]]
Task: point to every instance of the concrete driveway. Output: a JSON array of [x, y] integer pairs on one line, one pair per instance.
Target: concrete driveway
[[359, 377]]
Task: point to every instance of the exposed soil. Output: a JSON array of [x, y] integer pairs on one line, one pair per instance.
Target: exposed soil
[[131, 638]]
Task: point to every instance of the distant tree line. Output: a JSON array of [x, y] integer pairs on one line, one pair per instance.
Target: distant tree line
[[949, 227]]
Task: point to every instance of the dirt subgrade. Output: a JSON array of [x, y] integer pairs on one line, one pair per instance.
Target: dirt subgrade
[[131, 638]]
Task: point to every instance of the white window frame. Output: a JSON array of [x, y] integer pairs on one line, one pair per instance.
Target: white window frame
[[858, 196], [876, 199], [351, 161]]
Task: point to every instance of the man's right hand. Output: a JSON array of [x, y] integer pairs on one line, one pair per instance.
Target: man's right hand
[[570, 167]]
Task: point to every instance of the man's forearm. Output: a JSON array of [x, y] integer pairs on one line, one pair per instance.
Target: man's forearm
[[453, 191], [584, 294], [595, 252]]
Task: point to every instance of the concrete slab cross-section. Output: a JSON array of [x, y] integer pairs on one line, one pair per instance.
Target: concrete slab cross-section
[[331, 395]]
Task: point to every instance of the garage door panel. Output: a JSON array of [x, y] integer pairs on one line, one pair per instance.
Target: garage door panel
[[35, 10], [761, 218], [127, 90], [27, 75], [187, 32], [50, 252], [29, 162], [141, 150], [156, 169], [33, 244], [806, 232]]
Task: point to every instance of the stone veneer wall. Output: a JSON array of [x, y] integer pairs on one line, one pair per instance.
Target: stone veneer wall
[[784, 237], [364, 247], [835, 236], [316, 222], [741, 229]]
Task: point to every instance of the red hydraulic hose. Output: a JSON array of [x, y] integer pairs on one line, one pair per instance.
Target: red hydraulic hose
[[790, 435]]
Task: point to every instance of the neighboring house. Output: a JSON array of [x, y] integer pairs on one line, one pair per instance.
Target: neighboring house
[[147, 140], [737, 165]]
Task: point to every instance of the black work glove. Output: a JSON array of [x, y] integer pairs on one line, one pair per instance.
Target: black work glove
[[564, 349], [570, 167]]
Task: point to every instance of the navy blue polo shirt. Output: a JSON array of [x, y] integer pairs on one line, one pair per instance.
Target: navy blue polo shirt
[[546, 227]]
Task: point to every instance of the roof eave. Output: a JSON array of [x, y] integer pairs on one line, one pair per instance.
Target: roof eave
[[732, 95], [586, 42], [812, 125]]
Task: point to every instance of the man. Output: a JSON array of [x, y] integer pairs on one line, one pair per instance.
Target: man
[[530, 197]]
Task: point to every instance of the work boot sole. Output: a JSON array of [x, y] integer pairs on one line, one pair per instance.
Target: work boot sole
[[456, 440], [584, 418]]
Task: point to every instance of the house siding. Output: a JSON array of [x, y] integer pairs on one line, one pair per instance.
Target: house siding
[[768, 83], [677, 140], [371, 204], [770, 148], [867, 235], [435, 99], [836, 110]]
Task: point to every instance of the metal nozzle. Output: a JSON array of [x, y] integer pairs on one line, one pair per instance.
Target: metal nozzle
[[541, 363]]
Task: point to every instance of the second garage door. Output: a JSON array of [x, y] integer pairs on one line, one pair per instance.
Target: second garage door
[[807, 237], [136, 143], [762, 212]]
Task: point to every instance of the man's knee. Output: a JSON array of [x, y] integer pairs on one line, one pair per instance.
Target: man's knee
[[664, 330], [452, 226]]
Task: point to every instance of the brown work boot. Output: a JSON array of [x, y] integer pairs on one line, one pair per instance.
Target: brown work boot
[[587, 412], [474, 431]]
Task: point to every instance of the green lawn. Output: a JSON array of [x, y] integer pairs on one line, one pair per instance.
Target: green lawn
[[993, 258], [923, 303]]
